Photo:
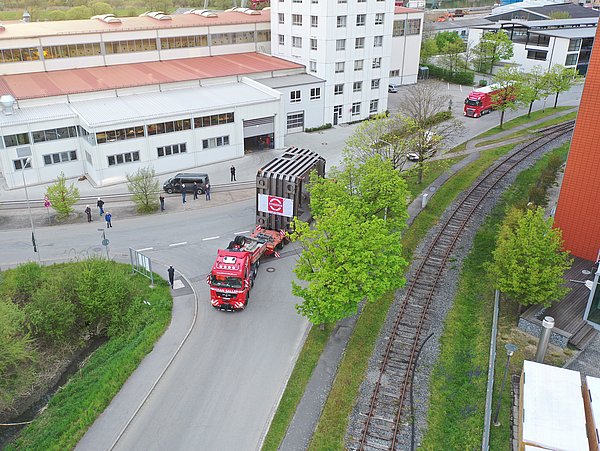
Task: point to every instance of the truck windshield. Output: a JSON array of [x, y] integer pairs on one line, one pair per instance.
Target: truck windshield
[[472, 102], [225, 282]]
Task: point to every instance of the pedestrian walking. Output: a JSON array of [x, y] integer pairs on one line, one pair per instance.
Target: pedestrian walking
[[232, 170], [196, 188], [108, 219], [207, 191], [162, 202], [100, 205], [183, 193], [171, 272], [88, 212]]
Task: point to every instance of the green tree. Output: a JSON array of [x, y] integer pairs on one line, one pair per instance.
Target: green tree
[[101, 8], [56, 15], [429, 48], [452, 57], [15, 348], [492, 48], [62, 197], [143, 186], [528, 262], [508, 93], [534, 87], [445, 38], [78, 12], [560, 79]]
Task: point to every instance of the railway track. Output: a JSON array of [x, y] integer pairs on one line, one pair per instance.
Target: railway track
[[385, 412]]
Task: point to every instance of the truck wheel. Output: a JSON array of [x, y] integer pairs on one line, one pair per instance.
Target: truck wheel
[[169, 190], [279, 246], [247, 298]]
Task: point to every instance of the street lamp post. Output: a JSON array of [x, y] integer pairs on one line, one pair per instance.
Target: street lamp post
[[33, 240], [510, 350]]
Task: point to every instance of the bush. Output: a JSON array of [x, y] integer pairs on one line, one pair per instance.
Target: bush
[[463, 78], [316, 129], [15, 344], [483, 82], [143, 186], [20, 283]]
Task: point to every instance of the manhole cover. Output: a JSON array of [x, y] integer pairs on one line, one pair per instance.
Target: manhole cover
[[270, 269], [96, 249], [432, 188]]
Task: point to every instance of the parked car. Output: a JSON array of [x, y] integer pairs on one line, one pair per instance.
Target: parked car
[[412, 156], [173, 185], [392, 87]]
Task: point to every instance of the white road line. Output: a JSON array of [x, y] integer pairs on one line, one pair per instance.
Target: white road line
[[177, 244], [243, 231], [211, 238], [145, 249]]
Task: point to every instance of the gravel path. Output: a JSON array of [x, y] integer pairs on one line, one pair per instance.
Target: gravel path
[[440, 307]]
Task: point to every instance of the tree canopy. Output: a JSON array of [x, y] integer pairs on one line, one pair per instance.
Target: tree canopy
[[534, 87], [62, 197], [143, 186], [508, 94], [560, 79], [492, 48]]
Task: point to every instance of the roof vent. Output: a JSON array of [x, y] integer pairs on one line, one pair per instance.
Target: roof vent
[[107, 18], [202, 12], [158, 15], [26, 17], [7, 102], [250, 12]]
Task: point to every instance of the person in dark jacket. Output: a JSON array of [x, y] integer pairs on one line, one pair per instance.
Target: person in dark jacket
[[232, 171], [162, 202], [171, 272], [108, 218], [207, 191], [88, 212], [100, 205], [196, 189]]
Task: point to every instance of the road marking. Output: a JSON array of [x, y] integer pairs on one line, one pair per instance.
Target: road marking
[[211, 238], [177, 244], [145, 249], [243, 231], [178, 284]]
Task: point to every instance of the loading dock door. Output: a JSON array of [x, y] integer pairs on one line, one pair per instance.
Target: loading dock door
[[295, 122], [260, 126]]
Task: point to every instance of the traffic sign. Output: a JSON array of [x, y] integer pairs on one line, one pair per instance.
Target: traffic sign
[[105, 242]]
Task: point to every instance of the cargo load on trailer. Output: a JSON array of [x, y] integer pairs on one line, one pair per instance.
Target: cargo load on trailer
[[282, 194], [479, 101]]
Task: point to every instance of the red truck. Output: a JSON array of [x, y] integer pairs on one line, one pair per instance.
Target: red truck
[[479, 101], [281, 194]]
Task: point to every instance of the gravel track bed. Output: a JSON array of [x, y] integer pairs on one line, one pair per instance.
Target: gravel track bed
[[442, 303]]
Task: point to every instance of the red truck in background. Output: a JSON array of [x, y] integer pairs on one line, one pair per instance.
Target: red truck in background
[[281, 194], [479, 101]]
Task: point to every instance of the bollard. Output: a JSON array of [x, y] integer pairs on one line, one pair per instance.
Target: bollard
[[547, 326], [424, 200]]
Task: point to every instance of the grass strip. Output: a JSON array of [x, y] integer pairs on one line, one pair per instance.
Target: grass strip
[[523, 120], [458, 383], [529, 131], [74, 408]]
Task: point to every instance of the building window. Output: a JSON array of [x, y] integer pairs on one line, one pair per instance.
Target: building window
[[313, 44], [539, 40], [395, 73], [339, 67], [341, 21], [535, 55], [88, 158], [375, 83], [295, 97], [179, 42], [295, 120], [361, 1], [123, 158], [398, 28], [281, 39], [379, 19], [215, 142], [312, 66], [340, 44], [297, 42], [571, 59], [173, 149], [376, 63], [16, 140], [338, 89], [574, 45], [373, 106], [296, 1], [314, 21], [24, 54], [357, 86], [342, 1], [358, 65], [314, 1], [361, 20], [61, 157], [378, 41], [215, 119], [54, 133], [297, 19], [135, 45], [413, 27], [166, 127], [281, 18], [124, 133], [355, 108], [75, 50], [359, 43], [315, 93], [21, 163]]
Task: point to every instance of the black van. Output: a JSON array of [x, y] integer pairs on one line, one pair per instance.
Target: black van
[[173, 185]]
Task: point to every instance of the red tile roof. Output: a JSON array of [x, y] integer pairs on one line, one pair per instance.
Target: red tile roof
[[66, 27], [72, 81]]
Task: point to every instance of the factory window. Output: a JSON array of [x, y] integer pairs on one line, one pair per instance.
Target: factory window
[[123, 158], [173, 149], [61, 157], [16, 140], [54, 133], [215, 142]]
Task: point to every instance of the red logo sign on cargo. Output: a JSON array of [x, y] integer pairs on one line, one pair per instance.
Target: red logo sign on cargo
[[276, 205]]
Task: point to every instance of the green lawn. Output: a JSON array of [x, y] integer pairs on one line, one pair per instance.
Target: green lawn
[[523, 120]]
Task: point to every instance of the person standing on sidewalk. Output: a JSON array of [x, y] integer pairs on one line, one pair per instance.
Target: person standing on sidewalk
[[108, 218], [183, 193], [100, 205], [171, 272], [88, 212], [232, 170], [161, 198], [207, 191], [196, 188]]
